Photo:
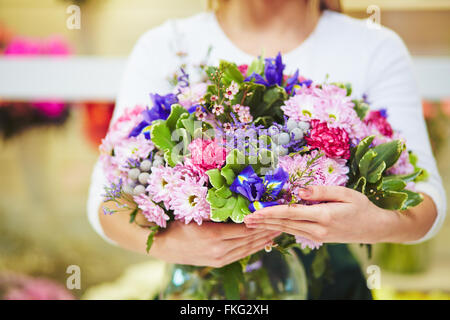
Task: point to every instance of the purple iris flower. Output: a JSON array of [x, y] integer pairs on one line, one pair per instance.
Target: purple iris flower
[[254, 188], [248, 184], [274, 70], [160, 110], [291, 82], [256, 78], [161, 107]]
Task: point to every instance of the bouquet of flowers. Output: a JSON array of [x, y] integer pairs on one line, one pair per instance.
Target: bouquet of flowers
[[248, 137]]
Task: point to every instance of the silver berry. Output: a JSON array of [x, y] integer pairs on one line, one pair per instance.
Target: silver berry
[[291, 124], [283, 138], [303, 125], [146, 165], [134, 173], [139, 189], [143, 177], [281, 151], [297, 134], [128, 189], [158, 162], [273, 130]]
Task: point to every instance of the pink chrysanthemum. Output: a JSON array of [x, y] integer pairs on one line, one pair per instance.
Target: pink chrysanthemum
[[133, 148], [207, 154], [323, 171], [334, 142], [160, 185], [189, 201], [151, 211]]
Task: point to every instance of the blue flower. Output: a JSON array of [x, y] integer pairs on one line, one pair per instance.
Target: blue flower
[[273, 73], [248, 184], [274, 70], [260, 192], [291, 82], [162, 105]]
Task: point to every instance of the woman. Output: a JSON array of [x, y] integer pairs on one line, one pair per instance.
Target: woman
[[319, 42]]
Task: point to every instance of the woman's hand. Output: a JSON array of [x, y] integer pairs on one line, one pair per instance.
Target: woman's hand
[[347, 216], [211, 244]]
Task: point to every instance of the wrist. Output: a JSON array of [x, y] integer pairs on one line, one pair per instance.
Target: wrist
[[388, 222]]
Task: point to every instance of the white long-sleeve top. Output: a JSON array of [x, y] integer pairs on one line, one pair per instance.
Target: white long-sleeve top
[[374, 60]]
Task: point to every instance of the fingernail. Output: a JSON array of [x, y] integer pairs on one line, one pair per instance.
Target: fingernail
[[305, 192]]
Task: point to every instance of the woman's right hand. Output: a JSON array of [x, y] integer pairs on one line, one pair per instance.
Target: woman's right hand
[[211, 244]]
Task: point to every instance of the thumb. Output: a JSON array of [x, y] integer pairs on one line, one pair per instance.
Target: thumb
[[326, 193]]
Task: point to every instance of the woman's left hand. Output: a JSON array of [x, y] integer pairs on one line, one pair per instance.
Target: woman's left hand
[[345, 216]]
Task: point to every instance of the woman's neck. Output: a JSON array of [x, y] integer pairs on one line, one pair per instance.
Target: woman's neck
[[269, 25]]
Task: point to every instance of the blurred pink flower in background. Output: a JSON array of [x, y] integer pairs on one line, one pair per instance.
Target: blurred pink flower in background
[[53, 45], [21, 287]]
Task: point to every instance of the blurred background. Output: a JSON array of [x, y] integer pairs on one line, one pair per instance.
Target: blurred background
[[50, 130]]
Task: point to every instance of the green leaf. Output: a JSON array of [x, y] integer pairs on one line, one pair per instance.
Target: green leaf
[[224, 192], [151, 237], [133, 215], [361, 108], [360, 185], [222, 214], [214, 200], [393, 184], [366, 161], [391, 200], [406, 177], [230, 73], [175, 113], [228, 174], [388, 152], [363, 147], [375, 175], [240, 210], [256, 66], [161, 136], [215, 178], [413, 200]]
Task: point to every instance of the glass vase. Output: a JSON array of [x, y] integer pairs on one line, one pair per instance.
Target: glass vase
[[268, 275]]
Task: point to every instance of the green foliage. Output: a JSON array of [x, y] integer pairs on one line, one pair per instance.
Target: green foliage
[[151, 237], [230, 72], [256, 66], [232, 275], [224, 203], [361, 108], [368, 175]]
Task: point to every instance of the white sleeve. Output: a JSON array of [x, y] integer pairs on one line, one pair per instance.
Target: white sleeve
[[145, 72], [391, 84]]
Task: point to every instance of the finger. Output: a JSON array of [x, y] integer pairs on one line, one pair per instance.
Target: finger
[[225, 231], [247, 250], [285, 229], [305, 226], [263, 234], [294, 211], [327, 193]]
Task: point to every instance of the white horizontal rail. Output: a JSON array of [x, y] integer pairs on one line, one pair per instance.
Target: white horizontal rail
[[97, 78]]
